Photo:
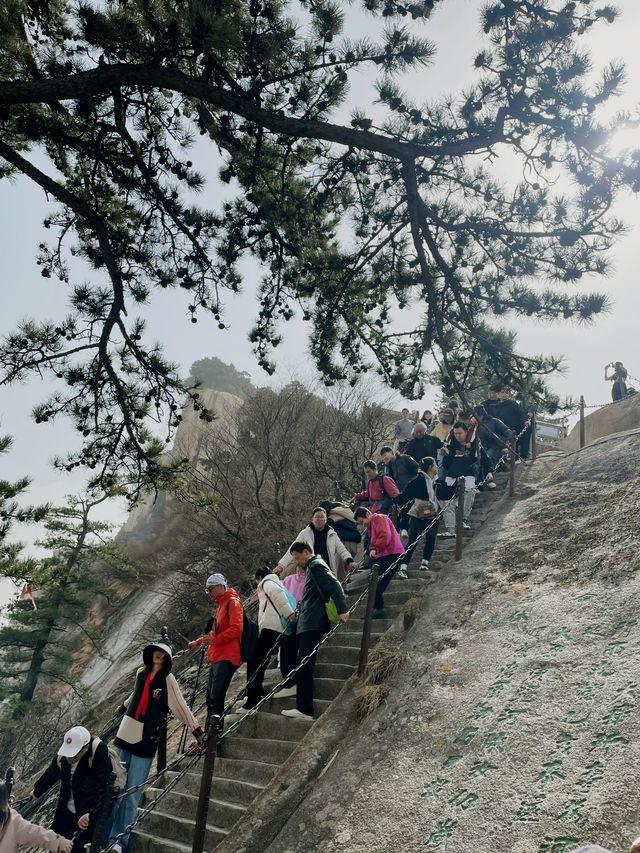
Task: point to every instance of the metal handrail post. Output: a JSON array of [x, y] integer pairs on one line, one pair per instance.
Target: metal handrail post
[[581, 421], [368, 616], [534, 438], [202, 810], [460, 490], [512, 469]]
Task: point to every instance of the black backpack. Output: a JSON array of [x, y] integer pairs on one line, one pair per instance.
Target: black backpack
[[249, 639]]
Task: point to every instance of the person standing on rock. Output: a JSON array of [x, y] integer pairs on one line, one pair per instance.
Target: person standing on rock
[[320, 586], [619, 379], [385, 549], [155, 692], [15, 830], [420, 497], [323, 541], [222, 642], [82, 767], [276, 617]]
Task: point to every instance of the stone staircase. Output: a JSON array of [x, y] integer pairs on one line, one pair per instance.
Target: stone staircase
[[251, 756]]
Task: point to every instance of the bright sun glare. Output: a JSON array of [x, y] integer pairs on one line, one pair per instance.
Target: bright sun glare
[[625, 139]]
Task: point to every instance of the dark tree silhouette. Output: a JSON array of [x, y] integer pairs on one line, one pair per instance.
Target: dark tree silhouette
[[114, 95]]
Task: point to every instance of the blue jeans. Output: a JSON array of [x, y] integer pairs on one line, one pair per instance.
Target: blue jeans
[[126, 809]]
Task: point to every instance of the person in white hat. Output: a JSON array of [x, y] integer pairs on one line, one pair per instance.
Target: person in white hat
[[155, 692], [82, 766], [15, 830], [223, 642]]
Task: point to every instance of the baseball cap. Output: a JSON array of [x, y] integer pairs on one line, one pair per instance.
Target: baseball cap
[[73, 741], [216, 578]]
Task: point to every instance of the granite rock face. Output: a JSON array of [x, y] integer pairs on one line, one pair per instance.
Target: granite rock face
[[515, 725], [612, 418]]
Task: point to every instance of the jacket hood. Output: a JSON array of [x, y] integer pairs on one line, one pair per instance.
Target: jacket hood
[[147, 656], [229, 593]]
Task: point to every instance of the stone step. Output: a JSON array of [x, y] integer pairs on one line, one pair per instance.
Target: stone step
[[274, 726], [252, 749], [256, 770], [183, 805], [339, 653], [143, 842], [334, 670], [278, 704], [231, 790], [327, 688], [163, 825]]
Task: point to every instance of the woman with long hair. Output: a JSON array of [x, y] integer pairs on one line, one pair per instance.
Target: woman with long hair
[[15, 830], [619, 379], [155, 692]]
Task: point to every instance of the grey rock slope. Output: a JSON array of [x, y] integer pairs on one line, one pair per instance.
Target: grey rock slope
[[514, 725]]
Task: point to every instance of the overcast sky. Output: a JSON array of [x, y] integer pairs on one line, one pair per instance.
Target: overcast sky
[[454, 28]]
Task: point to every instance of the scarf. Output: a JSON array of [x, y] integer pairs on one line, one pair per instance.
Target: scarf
[[143, 705]]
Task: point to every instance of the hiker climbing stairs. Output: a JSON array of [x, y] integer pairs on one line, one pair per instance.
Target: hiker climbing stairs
[[251, 756]]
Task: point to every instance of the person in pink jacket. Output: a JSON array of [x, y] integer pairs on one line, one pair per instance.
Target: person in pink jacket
[[385, 548], [15, 830]]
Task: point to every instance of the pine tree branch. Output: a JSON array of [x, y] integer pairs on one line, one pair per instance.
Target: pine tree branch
[[109, 77]]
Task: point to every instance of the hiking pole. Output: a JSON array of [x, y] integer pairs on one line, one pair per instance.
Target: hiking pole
[[204, 795], [460, 495], [368, 616]]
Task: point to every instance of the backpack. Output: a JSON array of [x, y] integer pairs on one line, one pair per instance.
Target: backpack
[[386, 504], [249, 638], [116, 763]]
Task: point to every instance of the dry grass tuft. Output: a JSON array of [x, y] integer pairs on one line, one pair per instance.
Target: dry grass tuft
[[411, 610], [386, 658], [370, 698]]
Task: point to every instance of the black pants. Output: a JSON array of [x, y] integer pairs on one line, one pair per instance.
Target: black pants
[[416, 527], [267, 639], [524, 443], [385, 576], [289, 656], [304, 679], [220, 676], [66, 823]]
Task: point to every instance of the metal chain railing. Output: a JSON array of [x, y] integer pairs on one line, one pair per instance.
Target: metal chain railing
[[192, 760]]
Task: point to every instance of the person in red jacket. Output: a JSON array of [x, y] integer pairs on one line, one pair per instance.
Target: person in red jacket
[[385, 549], [223, 642], [379, 492]]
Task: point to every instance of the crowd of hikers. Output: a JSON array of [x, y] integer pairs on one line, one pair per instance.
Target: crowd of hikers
[[406, 494]]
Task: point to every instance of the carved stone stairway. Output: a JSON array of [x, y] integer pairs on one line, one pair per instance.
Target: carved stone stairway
[[251, 756]]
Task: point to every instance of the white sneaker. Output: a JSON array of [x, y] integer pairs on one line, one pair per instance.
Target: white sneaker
[[490, 485], [424, 565], [402, 573], [297, 715], [286, 691], [117, 848], [447, 534], [466, 525], [404, 534]]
